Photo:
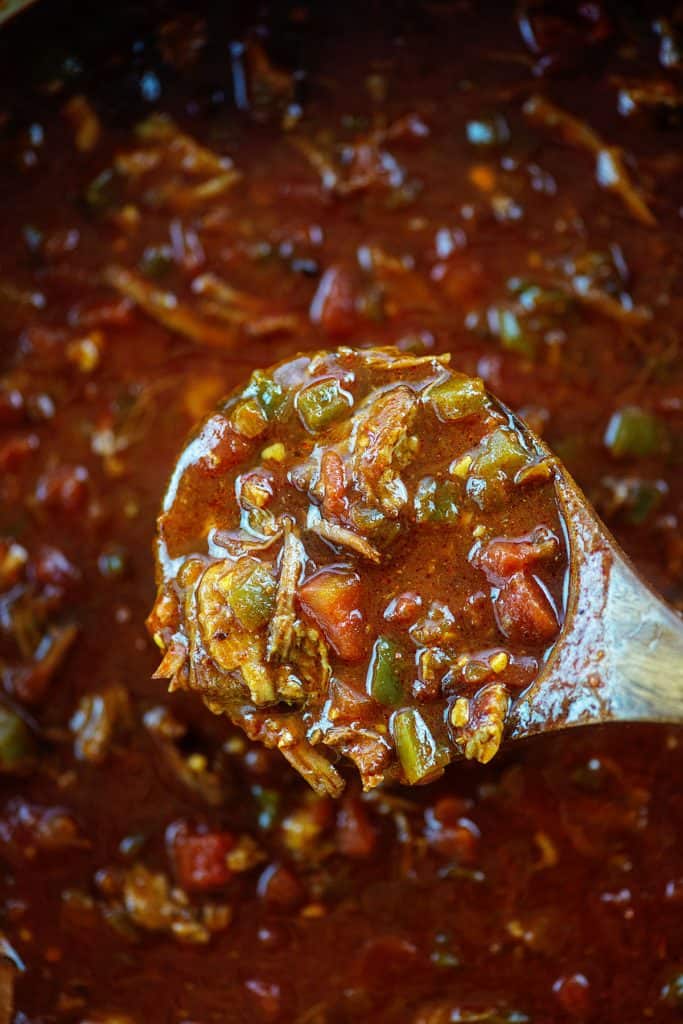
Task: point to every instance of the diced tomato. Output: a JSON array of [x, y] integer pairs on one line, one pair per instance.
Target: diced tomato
[[460, 841], [573, 994], [499, 559], [219, 447], [200, 860], [28, 829], [524, 612], [448, 810], [333, 477], [279, 888], [333, 599], [16, 450], [449, 832], [404, 609], [348, 704], [356, 836], [333, 306]]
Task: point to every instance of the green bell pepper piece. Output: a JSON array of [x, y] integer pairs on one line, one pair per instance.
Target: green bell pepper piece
[[384, 680], [417, 750]]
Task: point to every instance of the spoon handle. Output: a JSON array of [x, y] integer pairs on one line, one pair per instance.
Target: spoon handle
[[646, 640], [620, 655]]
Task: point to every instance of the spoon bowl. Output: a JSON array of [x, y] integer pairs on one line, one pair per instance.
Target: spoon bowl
[[363, 551]]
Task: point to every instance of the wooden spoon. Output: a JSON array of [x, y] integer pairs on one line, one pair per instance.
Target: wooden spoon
[[619, 657]]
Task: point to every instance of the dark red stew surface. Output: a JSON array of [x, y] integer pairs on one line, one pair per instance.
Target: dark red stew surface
[[190, 198]]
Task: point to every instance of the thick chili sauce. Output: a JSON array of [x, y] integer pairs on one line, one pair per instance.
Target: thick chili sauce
[[361, 553], [190, 200]]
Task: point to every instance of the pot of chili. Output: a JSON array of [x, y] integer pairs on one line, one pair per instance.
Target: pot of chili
[[192, 195]]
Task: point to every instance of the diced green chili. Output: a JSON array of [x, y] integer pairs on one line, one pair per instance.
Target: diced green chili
[[513, 335], [15, 740], [373, 523], [268, 802], [384, 678], [424, 499], [271, 396], [643, 497], [253, 599], [436, 502], [547, 300], [634, 433], [249, 419], [417, 750], [445, 502], [156, 261], [500, 452], [321, 403], [457, 397]]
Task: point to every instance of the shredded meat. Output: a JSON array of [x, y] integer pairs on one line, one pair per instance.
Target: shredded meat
[[164, 307], [191, 772], [610, 167], [187, 173], [286, 732], [31, 680], [368, 749], [220, 301], [98, 717], [383, 447], [216, 631], [345, 538], [366, 163], [152, 903], [280, 633]]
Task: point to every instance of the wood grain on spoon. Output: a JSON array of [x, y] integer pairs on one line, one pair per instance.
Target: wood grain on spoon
[[619, 657]]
